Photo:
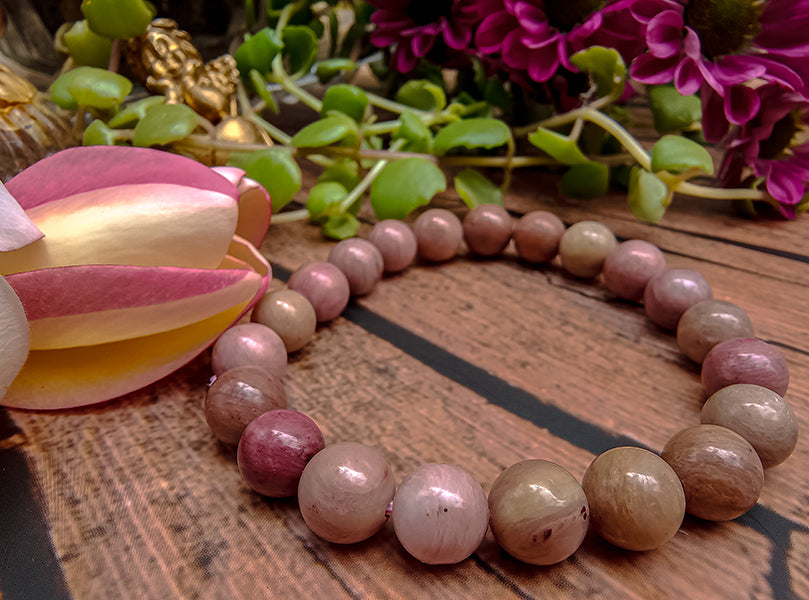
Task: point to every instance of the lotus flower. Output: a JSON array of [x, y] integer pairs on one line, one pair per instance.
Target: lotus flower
[[143, 263]]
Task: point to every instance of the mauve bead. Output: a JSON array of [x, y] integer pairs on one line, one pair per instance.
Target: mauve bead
[[345, 491], [275, 448], [325, 286], [630, 266], [636, 500], [759, 415], [289, 314], [536, 236], [671, 292], [249, 344], [487, 229], [439, 234], [237, 397], [708, 323], [360, 262], [396, 243], [745, 360], [720, 471], [539, 513], [440, 514], [584, 246]]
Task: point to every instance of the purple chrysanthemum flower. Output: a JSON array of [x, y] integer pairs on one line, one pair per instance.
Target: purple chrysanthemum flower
[[719, 47], [414, 28], [773, 146], [538, 35]]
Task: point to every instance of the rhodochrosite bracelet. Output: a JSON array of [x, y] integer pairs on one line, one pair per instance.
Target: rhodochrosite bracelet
[[538, 512]]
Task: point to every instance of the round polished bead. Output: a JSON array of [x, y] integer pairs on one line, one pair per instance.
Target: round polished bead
[[396, 243], [759, 415], [745, 360], [584, 246], [360, 262], [671, 292], [720, 471], [345, 491], [275, 448], [539, 513], [440, 514], [325, 286], [487, 229], [237, 397], [289, 314], [536, 236], [708, 323], [630, 266], [249, 344], [636, 500], [439, 234]]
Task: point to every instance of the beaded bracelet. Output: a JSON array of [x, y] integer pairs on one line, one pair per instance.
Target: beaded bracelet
[[538, 511]]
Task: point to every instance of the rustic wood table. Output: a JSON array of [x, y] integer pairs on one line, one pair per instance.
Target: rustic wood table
[[479, 363]]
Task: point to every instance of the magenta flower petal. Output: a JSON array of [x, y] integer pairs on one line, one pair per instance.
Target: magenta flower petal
[[687, 77], [422, 43], [457, 35], [544, 63], [784, 184], [646, 68], [714, 123], [493, 30], [741, 104], [735, 69], [665, 34], [531, 18]]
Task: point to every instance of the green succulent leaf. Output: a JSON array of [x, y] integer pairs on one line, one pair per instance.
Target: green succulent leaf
[[586, 180], [414, 131], [422, 95], [134, 112], [475, 189], [648, 196], [118, 19], [98, 134], [344, 171], [340, 227], [324, 199], [90, 87], [275, 169], [675, 154], [605, 67], [87, 47], [671, 110], [163, 124], [328, 130], [257, 51], [300, 49], [558, 146], [472, 133], [331, 67], [404, 185], [347, 99]]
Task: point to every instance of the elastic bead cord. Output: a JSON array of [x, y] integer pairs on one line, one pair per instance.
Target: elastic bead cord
[[633, 498]]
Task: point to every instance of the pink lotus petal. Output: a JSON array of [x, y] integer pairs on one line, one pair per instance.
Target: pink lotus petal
[[94, 304], [255, 207], [86, 168], [16, 228], [233, 174]]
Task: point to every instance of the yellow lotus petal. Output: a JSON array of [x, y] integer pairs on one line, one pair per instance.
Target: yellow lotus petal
[[143, 224], [66, 378]]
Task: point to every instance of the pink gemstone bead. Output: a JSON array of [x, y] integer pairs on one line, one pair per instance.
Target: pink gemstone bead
[[708, 323], [237, 397], [275, 448], [745, 360], [671, 292], [345, 491], [325, 286], [630, 266], [249, 344], [360, 262], [396, 243], [487, 229], [536, 236], [439, 234], [440, 514]]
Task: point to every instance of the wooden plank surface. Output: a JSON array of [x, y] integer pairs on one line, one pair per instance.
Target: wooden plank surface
[[474, 362]]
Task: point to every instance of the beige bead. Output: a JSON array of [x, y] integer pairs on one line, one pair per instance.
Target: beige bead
[[584, 247], [636, 500], [289, 314], [720, 471], [539, 513], [759, 415], [708, 323]]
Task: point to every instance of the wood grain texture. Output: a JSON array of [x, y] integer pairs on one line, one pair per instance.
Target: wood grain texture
[[142, 501]]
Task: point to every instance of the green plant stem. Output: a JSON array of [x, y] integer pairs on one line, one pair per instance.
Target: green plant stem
[[714, 193], [368, 179], [290, 216], [280, 77], [272, 130], [393, 106]]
